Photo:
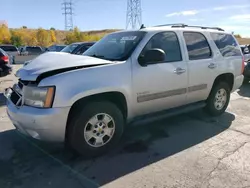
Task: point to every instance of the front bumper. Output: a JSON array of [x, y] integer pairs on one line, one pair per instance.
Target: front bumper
[[42, 124]]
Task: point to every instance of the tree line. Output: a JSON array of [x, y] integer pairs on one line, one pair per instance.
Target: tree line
[[42, 37]]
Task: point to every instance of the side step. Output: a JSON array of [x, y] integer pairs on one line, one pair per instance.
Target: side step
[[167, 113]]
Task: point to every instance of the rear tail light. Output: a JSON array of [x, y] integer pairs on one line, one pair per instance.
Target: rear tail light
[[5, 59]]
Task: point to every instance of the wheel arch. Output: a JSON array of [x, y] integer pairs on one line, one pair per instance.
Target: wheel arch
[[115, 97], [225, 77]]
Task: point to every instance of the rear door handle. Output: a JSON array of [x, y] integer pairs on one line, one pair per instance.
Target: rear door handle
[[179, 71], [212, 66]]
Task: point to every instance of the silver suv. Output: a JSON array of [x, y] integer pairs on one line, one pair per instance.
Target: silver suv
[[128, 76]]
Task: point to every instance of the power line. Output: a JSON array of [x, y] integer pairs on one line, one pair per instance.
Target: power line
[[67, 7], [134, 17]]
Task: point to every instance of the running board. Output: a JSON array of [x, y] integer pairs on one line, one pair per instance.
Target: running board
[[167, 113]]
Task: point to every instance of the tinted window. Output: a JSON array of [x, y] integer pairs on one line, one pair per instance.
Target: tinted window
[[168, 42], [226, 44], [9, 48], [197, 46], [33, 49], [70, 48]]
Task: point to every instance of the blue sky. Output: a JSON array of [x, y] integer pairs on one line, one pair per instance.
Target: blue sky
[[233, 15]]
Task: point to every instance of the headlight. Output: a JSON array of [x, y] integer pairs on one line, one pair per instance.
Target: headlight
[[245, 63], [39, 96]]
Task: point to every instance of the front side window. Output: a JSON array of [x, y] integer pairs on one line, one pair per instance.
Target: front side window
[[116, 46], [197, 46], [226, 44], [168, 42]]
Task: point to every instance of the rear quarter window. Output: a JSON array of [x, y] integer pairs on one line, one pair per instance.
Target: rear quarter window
[[226, 44]]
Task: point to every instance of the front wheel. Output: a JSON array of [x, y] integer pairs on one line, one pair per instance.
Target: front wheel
[[95, 128], [218, 99]]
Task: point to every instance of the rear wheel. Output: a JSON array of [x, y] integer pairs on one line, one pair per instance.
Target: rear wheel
[[218, 99], [95, 128]]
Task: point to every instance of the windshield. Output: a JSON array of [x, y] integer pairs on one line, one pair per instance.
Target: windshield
[[69, 48], [116, 46]]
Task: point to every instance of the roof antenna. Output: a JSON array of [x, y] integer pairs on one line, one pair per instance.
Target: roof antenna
[[142, 26]]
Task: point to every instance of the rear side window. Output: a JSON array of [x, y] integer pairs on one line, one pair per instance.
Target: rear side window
[[197, 46], [9, 48], [226, 44]]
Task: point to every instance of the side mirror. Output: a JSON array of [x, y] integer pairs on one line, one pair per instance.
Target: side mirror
[[152, 56]]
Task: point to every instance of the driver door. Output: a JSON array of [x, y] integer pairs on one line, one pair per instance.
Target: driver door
[[163, 85]]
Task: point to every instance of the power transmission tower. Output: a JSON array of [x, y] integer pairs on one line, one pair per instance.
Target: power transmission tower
[[134, 19], [68, 13]]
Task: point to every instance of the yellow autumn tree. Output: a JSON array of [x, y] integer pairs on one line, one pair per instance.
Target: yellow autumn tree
[[43, 37], [5, 36], [52, 36]]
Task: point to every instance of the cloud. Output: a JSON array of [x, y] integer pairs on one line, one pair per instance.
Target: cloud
[[183, 13], [240, 17], [219, 8], [196, 19]]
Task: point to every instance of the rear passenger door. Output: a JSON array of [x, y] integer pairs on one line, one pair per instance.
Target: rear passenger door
[[201, 66]]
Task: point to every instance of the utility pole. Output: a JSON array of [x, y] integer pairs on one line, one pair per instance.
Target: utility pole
[[134, 18], [67, 7]]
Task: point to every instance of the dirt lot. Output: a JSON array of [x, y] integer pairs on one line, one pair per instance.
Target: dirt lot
[[191, 150]]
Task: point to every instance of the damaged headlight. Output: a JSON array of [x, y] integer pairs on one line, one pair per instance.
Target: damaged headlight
[[41, 97]]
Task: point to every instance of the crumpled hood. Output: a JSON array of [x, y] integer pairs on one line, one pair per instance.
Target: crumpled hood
[[50, 61]]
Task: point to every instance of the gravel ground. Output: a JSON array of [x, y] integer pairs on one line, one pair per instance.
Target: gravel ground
[[191, 150]]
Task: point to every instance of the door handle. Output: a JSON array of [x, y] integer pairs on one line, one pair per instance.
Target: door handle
[[212, 66], [179, 71]]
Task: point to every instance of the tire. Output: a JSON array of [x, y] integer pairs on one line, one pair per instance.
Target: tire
[[213, 108], [78, 125]]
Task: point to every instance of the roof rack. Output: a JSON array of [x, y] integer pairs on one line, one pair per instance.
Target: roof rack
[[185, 25], [174, 24]]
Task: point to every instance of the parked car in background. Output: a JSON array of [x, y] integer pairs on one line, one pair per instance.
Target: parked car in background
[[246, 51], [78, 47], [5, 67], [55, 48], [12, 52], [31, 50]]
